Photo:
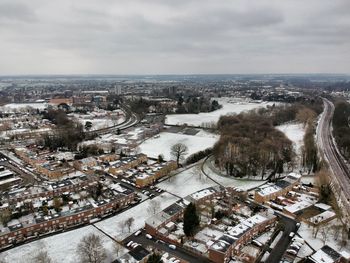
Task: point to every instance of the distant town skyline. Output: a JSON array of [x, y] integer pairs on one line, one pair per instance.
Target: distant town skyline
[[174, 37]]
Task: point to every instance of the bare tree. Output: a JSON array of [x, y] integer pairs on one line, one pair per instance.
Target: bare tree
[[5, 216], [344, 236], [315, 230], [117, 248], [41, 257], [129, 223], [324, 232], [178, 151], [90, 249], [121, 225], [336, 231], [305, 115], [153, 207], [197, 172]]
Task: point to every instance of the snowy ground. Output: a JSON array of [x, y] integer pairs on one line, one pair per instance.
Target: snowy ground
[[186, 182], [22, 106], [228, 181], [61, 247], [100, 123], [161, 144], [306, 232], [230, 105], [114, 226], [294, 132], [308, 179]]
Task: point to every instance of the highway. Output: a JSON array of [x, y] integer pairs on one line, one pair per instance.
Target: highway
[[327, 148]]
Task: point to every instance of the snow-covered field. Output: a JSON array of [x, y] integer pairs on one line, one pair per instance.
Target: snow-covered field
[[187, 182], [114, 226], [161, 144], [61, 247], [98, 123], [101, 123], [294, 132], [230, 105], [228, 181], [21, 106]]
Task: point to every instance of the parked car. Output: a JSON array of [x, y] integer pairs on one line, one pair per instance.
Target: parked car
[[137, 233], [292, 252], [135, 245], [172, 247], [129, 243], [298, 239], [257, 243], [148, 236]]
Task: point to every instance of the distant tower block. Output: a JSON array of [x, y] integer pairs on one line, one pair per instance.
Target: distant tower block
[[172, 90], [118, 89]]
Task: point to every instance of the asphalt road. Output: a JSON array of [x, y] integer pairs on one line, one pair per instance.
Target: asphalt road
[[278, 251], [178, 252], [132, 120], [336, 162]]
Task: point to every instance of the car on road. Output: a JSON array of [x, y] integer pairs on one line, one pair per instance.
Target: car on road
[[172, 247], [149, 236], [291, 234]]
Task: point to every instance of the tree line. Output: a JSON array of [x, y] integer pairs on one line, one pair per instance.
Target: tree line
[[67, 133], [250, 145], [341, 127]]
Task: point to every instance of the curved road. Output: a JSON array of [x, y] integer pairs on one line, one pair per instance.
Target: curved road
[[329, 150], [132, 119]]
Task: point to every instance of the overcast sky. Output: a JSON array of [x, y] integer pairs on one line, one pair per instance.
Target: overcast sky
[[174, 36]]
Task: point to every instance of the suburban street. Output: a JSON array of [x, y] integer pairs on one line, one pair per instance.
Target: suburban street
[[327, 147], [282, 245], [178, 252]]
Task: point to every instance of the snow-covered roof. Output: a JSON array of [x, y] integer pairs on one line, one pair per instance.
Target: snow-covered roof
[[322, 217], [298, 206], [203, 193], [323, 206], [321, 257], [268, 189]]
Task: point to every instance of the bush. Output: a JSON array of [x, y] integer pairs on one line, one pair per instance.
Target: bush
[[193, 158]]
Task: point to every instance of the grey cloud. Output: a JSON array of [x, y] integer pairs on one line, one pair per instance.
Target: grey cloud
[[16, 12], [198, 36]]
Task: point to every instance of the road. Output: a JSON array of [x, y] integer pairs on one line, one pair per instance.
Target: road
[[327, 147], [178, 252], [131, 120], [282, 245]]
